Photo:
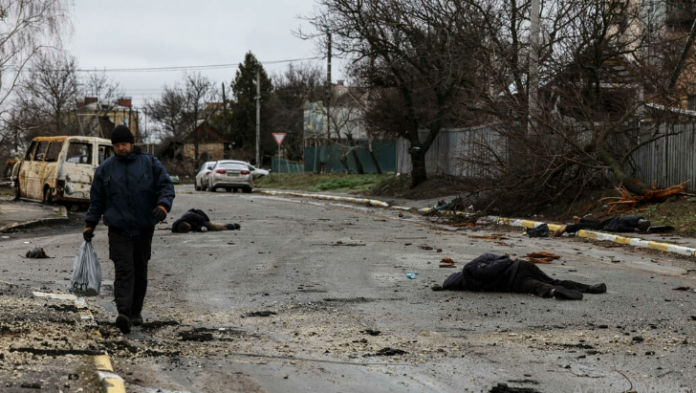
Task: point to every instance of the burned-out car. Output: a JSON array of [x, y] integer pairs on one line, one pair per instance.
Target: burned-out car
[[60, 168]]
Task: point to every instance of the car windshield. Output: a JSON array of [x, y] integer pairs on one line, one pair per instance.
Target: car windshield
[[231, 165]]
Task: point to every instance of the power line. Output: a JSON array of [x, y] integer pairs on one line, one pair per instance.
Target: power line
[[192, 68]]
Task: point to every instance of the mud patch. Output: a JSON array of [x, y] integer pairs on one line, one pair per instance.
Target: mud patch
[[504, 388], [157, 325], [348, 300], [387, 351], [57, 352], [262, 314], [64, 307]]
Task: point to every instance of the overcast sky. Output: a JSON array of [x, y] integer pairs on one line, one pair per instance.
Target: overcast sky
[[163, 33]]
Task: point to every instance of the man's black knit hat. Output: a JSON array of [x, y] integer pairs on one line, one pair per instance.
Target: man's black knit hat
[[121, 134]]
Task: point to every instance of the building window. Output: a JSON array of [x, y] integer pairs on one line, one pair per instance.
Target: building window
[[691, 103]]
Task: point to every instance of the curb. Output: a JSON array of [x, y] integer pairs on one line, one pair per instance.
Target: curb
[[63, 219], [371, 202], [601, 236], [112, 382]]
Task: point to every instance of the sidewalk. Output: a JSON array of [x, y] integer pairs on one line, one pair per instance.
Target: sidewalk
[[17, 215]]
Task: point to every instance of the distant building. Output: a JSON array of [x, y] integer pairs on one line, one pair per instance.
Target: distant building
[[98, 118], [212, 145], [345, 111]]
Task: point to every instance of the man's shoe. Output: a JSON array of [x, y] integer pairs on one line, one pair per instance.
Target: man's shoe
[[597, 288], [137, 320], [562, 293], [123, 323], [576, 220], [559, 232]]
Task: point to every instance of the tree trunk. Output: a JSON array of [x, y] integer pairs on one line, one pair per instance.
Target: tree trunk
[[418, 173], [616, 167], [354, 152], [374, 159]]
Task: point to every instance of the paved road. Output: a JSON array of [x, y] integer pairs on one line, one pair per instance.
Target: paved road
[[328, 274]]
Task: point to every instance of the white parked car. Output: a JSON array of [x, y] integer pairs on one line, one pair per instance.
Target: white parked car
[[203, 174], [257, 172], [230, 175]]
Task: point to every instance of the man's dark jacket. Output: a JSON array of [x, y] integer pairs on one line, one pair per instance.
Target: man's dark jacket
[[127, 189], [622, 224], [489, 272], [194, 217]]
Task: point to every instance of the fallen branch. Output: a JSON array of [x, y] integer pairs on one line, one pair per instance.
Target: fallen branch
[[630, 201]]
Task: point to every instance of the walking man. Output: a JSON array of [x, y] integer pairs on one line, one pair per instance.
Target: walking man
[[133, 192]]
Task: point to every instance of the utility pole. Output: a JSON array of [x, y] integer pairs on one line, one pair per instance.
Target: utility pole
[[533, 90], [328, 85], [224, 114], [258, 116]]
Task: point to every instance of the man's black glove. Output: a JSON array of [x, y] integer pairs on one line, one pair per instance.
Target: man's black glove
[[88, 234], [160, 213]]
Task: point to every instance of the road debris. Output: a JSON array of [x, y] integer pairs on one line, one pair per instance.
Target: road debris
[[504, 388], [682, 288], [542, 258], [37, 253], [447, 263], [495, 236], [626, 202], [262, 314], [371, 332], [387, 351], [411, 275]]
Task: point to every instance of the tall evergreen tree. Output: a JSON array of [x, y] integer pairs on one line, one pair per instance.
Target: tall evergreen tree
[[243, 127]]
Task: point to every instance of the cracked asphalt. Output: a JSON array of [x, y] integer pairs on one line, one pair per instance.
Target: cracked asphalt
[[307, 296]]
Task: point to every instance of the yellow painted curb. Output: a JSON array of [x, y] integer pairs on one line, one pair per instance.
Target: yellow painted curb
[[103, 363], [601, 236], [113, 383]]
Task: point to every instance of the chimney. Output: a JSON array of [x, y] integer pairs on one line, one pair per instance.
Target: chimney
[[124, 101]]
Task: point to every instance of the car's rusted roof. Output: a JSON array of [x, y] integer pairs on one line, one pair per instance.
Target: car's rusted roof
[[50, 138]]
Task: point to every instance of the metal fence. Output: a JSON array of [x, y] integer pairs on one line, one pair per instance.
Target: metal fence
[[285, 166], [451, 148], [328, 157], [670, 160], [667, 161]]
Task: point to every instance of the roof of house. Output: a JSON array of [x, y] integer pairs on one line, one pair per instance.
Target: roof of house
[[103, 106]]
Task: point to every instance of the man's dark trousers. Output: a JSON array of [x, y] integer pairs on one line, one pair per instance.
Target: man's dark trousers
[[130, 255], [531, 279]]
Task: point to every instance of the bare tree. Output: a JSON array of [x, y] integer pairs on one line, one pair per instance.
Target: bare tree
[[294, 88], [422, 51], [105, 90], [198, 92], [605, 89], [168, 111], [26, 28], [48, 96]]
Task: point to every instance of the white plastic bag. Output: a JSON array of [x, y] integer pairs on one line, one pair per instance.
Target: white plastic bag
[[86, 277]]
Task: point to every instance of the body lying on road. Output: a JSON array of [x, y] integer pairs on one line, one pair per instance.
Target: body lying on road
[[196, 220], [500, 273], [626, 224]]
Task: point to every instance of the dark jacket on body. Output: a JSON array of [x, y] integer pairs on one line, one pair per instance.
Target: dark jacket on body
[[127, 189], [489, 272], [194, 217]]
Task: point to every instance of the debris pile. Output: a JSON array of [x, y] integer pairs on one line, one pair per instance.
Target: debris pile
[[626, 202]]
